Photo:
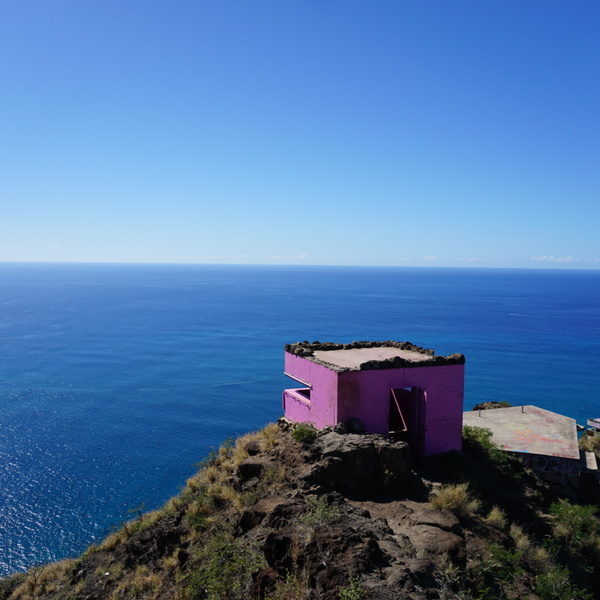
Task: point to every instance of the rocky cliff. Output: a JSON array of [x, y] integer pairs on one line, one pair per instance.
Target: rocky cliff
[[286, 514]]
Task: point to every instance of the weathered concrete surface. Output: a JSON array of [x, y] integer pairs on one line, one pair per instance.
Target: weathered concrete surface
[[354, 357], [528, 429], [371, 355]]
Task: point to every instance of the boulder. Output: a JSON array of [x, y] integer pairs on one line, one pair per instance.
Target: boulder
[[251, 467], [352, 463]]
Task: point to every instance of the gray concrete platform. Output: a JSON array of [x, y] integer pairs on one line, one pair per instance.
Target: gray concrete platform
[[528, 429], [354, 357]]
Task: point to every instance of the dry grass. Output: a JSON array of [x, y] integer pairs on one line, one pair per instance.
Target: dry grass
[[213, 482], [40, 581], [173, 505], [209, 475], [497, 518], [111, 541], [268, 436], [144, 522], [230, 457], [456, 498], [141, 581], [520, 538], [172, 564], [223, 495]]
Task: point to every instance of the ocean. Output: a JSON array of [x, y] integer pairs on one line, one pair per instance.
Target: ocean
[[116, 380]]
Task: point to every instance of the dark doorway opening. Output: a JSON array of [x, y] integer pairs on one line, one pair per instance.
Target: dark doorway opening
[[407, 418]]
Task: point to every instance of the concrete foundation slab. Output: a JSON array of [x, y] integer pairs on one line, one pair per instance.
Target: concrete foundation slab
[[528, 429]]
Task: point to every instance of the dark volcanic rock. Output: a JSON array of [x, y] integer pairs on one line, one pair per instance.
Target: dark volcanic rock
[[278, 550], [443, 519], [253, 448], [355, 462], [434, 541], [253, 516], [252, 467]]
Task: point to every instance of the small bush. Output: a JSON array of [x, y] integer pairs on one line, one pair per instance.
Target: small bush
[[304, 433], [480, 440], [556, 585], [456, 498], [291, 588], [489, 577], [352, 591], [497, 518], [577, 524], [506, 564], [320, 513], [590, 442], [448, 575], [520, 538], [226, 570], [539, 559]]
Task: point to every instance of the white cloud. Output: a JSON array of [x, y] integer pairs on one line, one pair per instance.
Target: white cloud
[[555, 259], [429, 258]]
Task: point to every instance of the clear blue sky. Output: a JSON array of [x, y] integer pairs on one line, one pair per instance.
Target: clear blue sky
[[386, 132]]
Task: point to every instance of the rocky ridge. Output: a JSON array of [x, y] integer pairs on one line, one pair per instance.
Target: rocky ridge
[[337, 516]]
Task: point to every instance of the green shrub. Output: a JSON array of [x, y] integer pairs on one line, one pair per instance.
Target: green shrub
[[556, 585], [506, 564], [490, 576], [291, 588], [319, 512], [226, 567], [305, 433], [576, 524], [479, 439], [352, 591]]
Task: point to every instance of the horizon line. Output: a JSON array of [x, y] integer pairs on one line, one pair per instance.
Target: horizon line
[[548, 266]]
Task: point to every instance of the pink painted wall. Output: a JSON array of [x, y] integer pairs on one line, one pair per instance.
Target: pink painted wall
[[322, 408], [339, 396], [365, 395]]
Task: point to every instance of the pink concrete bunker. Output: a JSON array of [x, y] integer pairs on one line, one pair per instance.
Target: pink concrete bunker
[[393, 388]]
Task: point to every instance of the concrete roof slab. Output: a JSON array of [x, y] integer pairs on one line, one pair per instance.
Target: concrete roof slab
[[528, 429], [354, 357]]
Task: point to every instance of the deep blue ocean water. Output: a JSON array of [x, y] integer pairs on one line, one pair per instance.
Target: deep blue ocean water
[[117, 379]]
